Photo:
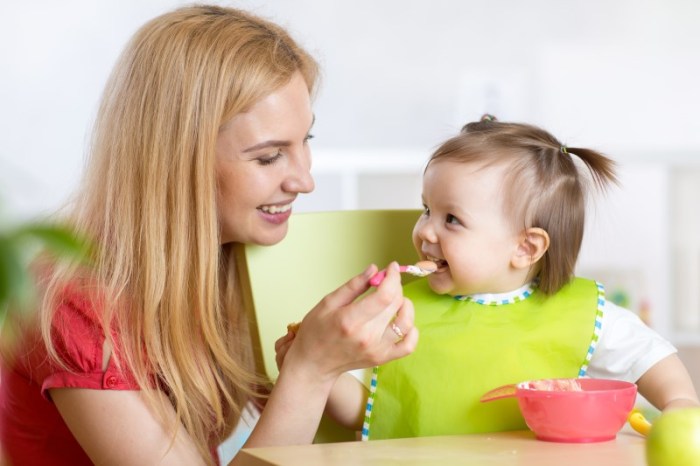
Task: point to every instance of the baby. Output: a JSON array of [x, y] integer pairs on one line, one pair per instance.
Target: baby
[[503, 219]]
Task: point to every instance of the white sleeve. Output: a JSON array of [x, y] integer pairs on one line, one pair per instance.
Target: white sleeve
[[627, 347], [363, 375]]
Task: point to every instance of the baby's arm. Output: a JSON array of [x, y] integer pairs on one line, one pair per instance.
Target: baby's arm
[[630, 350], [667, 385], [346, 403]]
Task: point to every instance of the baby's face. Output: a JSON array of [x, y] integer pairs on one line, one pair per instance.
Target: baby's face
[[465, 231]]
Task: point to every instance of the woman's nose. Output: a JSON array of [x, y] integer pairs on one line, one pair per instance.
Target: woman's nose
[[300, 179]]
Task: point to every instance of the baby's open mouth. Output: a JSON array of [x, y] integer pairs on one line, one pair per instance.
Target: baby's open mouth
[[441, 263]]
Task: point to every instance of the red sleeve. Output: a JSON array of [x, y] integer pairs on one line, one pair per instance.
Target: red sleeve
[[78, 339]]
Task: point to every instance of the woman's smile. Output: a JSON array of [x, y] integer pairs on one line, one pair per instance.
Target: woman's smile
[[276, 213]]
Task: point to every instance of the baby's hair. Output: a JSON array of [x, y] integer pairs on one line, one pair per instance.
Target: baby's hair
[[544, 186]]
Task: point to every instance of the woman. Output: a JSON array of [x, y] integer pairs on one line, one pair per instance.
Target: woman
[[201, 144]]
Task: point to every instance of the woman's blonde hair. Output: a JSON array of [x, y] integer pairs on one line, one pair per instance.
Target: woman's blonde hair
[[149, 201], [544, 188]]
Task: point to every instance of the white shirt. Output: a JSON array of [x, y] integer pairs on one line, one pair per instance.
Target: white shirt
[[627, 347]]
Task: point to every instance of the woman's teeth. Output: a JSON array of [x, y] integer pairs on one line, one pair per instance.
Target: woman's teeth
[[273, 209]]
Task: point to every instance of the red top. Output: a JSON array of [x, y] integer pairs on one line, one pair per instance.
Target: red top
[[31, 429]]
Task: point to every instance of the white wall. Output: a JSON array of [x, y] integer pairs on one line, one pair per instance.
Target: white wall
[[617, 74], [400, 76]]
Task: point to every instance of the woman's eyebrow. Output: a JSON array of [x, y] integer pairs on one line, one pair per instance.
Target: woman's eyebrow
[[266, 144], [275, 142]]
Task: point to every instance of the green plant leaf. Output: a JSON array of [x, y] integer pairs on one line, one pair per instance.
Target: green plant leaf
[[58, 239], [16, 288], [17, 248], [10, 269]]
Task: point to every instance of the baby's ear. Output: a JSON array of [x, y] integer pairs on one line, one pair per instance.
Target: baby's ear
[[534, 242]]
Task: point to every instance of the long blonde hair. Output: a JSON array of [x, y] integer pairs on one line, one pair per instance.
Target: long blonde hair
[[149, 200]]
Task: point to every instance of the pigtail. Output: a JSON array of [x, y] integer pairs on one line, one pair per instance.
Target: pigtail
[[601, 167]]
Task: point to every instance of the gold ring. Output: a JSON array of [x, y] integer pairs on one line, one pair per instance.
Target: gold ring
[[397, 330]]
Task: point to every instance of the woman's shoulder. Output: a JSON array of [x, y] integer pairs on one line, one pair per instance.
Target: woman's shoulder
[[77, 304], [75, 331]]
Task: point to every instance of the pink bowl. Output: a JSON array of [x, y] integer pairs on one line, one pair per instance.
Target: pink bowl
[[595, 414]]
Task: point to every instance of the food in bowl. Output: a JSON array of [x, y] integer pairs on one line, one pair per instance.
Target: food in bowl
[[553, 385]]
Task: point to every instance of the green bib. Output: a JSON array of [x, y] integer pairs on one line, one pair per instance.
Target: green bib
[[467, 348]]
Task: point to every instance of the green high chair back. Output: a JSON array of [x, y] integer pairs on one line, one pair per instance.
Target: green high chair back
[[321, 251]]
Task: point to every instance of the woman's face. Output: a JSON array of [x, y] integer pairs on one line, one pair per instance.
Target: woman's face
[[263, 162]]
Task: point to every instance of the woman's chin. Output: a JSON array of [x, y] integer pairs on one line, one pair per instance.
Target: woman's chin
[[271, 236]]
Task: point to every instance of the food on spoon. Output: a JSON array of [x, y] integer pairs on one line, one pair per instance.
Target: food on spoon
[[422, 268], [419, 269], [293, 327]]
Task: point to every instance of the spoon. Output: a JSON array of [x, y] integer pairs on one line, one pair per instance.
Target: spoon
[[510, 390], [419, 269]]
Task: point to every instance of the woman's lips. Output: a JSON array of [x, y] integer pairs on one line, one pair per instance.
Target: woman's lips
[[276, 214]]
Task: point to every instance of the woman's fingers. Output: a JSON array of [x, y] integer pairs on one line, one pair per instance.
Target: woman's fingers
[[400, 336], [404, 347], [351, 289], [397, 312], [402, 323]]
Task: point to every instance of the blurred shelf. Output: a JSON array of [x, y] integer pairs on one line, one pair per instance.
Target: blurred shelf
[[686, 339]]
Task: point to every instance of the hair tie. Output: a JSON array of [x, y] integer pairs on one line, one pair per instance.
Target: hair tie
[[563, 150], [487, 117]]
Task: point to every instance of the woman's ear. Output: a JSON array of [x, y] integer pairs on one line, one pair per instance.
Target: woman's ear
[[532, 245]]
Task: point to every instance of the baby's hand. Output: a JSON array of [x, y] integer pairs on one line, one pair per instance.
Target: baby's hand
[[283, 344], [293, 327]]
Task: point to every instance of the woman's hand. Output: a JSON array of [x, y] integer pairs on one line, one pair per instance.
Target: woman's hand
[[343, 332]]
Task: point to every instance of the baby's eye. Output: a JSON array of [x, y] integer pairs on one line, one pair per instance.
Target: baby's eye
[[452, 219], [426, 211], [270, 160]]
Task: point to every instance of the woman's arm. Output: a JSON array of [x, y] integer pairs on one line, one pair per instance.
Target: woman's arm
[[116, 427], [667, 385]]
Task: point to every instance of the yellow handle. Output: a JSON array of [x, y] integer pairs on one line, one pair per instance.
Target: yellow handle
[[639, 422]]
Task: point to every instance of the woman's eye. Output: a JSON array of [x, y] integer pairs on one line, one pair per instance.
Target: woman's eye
[[270, 160], [309, 137], [452, 219]]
